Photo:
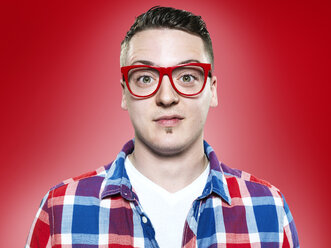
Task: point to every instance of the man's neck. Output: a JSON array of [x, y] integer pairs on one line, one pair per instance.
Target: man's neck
[[172, 173]]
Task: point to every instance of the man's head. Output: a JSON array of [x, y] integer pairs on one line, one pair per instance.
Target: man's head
[[166, 121], [167, 17]]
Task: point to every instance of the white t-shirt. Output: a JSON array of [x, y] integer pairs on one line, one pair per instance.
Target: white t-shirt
[[167, 211]]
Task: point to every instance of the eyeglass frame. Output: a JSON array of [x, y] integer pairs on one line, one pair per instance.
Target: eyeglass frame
[[166, 71]]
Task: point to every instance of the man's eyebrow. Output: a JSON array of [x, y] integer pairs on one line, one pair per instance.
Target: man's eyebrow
[[189, 61], [144, 62]]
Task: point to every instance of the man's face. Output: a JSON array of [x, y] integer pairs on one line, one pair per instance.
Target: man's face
[[168, 123]]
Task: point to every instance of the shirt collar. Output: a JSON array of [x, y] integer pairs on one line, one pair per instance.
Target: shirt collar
[[117, 180]]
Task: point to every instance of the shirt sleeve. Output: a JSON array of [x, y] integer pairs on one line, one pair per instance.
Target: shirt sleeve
[[290, 232], [39, 235]]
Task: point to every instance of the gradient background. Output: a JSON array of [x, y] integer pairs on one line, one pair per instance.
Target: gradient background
[[60, 99]]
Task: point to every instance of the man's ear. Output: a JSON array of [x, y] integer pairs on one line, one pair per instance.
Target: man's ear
[[213, 88], [123, 102]]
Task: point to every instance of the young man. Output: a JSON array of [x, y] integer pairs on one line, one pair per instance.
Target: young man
[[166, 188]]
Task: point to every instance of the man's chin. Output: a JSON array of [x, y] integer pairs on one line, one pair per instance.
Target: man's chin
[[167, 151], [168, 144], [167, 147]]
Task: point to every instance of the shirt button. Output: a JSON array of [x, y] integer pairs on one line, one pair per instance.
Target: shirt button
[[144, 219]]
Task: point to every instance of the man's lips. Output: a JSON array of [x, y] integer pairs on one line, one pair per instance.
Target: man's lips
[[168, 120]]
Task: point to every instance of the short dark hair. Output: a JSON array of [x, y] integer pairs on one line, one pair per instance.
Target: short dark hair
[[167, 17]]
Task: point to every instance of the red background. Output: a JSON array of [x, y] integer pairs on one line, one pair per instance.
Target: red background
[[60, 99]]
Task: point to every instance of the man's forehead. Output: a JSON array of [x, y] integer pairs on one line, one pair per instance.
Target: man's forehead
[[165, 47]]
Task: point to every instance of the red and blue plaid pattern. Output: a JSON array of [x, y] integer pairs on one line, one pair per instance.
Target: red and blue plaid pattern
[[100, 209]]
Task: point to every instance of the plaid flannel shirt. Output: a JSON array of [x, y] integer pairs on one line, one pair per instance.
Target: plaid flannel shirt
[[100, 209]]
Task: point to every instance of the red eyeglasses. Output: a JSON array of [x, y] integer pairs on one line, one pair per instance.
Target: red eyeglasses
[[187, 79]]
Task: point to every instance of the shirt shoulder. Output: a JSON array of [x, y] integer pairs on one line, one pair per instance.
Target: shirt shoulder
[[243, 184], [87, 184]]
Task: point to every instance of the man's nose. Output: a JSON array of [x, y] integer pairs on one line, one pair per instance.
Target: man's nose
[[166, 95]]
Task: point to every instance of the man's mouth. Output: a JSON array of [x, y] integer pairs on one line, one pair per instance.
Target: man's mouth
[[168, 120]]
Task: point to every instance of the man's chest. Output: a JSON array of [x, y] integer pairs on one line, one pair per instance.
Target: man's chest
[[116, 222]]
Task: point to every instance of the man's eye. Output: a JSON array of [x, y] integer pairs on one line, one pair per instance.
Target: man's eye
[[145, 79], [187, 78]]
